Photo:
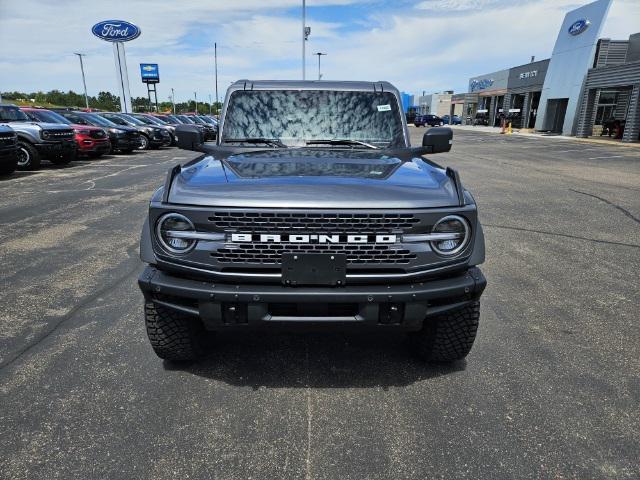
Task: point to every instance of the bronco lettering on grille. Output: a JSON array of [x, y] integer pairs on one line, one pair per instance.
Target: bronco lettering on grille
[[311, 238]]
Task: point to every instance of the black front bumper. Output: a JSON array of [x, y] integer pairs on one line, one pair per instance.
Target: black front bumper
[[8, 155], [56, 149], [225, 306]]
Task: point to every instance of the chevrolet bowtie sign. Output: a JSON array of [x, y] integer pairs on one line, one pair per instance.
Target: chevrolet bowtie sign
[[310, 238]]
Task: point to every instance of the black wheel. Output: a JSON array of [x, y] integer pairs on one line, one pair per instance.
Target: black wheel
[[173, 336], [448, 337], [28, 156], [95, 154], [126, 151], [144, 143]]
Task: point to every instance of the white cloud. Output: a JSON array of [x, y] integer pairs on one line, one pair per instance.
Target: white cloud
[[433, 45]]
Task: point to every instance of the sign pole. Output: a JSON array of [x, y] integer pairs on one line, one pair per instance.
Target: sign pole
[[122, 77]]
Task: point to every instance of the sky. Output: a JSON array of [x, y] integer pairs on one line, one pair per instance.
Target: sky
[[425, 45]]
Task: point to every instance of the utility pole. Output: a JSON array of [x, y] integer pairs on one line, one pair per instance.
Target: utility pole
[[84, 82], [319, 55], [210, 104], [173, 101], [215, 56], [195, 95], [304, 37]]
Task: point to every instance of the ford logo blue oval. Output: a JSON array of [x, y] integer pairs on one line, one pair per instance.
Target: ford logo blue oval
[[115, 31], [579, 26]]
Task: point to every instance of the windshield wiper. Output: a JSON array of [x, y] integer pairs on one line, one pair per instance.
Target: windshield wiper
[[267, 141], [340, 141]]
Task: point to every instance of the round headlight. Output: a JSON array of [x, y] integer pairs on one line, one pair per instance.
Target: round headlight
[[172, 231], [44, 134], [455, 235]]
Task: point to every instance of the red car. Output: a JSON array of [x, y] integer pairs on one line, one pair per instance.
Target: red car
[[92, 141]]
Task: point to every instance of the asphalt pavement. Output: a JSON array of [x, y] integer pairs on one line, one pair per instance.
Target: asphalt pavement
[[551, 388]]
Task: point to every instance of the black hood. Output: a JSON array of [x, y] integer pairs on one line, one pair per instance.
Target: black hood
[[313, 178]]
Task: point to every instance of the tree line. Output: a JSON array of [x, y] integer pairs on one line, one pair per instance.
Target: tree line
[[105, 101]]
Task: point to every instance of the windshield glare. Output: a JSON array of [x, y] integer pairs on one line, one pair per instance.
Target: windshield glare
[[131, 119], [100, 121], [12, 114], [297, 117]]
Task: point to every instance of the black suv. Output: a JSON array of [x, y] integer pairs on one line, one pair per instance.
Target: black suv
[[8, 150], [292, 221], [124, 139], [431, 120], [151, 136]]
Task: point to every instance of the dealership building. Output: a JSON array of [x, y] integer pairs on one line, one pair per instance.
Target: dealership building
[[587, 85]]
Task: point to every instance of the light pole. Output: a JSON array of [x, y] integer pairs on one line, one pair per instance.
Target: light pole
[[210, 104], [195, 95], [319, 55], [306, 31], [84, 82], [215, 56], [173, 101]]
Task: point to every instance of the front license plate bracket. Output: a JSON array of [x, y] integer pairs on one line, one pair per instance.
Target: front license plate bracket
[[314, 269]]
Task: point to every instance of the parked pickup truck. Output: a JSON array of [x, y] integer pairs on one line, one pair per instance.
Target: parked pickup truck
[[312, 210], [52, 141], [8, 150]]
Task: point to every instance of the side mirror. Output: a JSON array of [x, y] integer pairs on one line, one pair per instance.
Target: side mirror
[[189, 137], [437, 140]]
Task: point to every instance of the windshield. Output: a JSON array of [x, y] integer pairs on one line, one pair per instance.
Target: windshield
[[185, 119], [209, 120], [98, 120], [174, 119], [156, 120], [143, 119], [116, 120], [298, 117], [196, 120], [12, 114], [48, 116], [131, 119]]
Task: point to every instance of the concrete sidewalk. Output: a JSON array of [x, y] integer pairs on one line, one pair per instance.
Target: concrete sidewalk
[[529, 133]]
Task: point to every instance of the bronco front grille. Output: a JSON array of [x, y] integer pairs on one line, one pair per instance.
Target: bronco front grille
[[268, 253], [58, 134], [269, 222]]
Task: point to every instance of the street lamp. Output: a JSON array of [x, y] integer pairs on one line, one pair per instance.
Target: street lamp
[[306, 31], [84, 82], [173, 100], [195, 95], [319, 55]]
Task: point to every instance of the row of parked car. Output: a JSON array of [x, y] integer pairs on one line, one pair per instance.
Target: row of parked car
[[435, 120], [28, 135]]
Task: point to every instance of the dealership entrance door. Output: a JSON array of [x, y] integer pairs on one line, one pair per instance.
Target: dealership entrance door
[[556, 110]]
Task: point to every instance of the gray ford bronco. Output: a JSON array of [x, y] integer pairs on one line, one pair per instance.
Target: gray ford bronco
[[312, 210], [37, 140]]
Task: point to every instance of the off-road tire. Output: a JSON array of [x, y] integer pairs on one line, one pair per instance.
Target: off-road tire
[[33, 157], [448, 337], [173, 336]]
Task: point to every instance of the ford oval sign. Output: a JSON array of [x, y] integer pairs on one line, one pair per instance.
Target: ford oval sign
[[579, 26], [115, 31]]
